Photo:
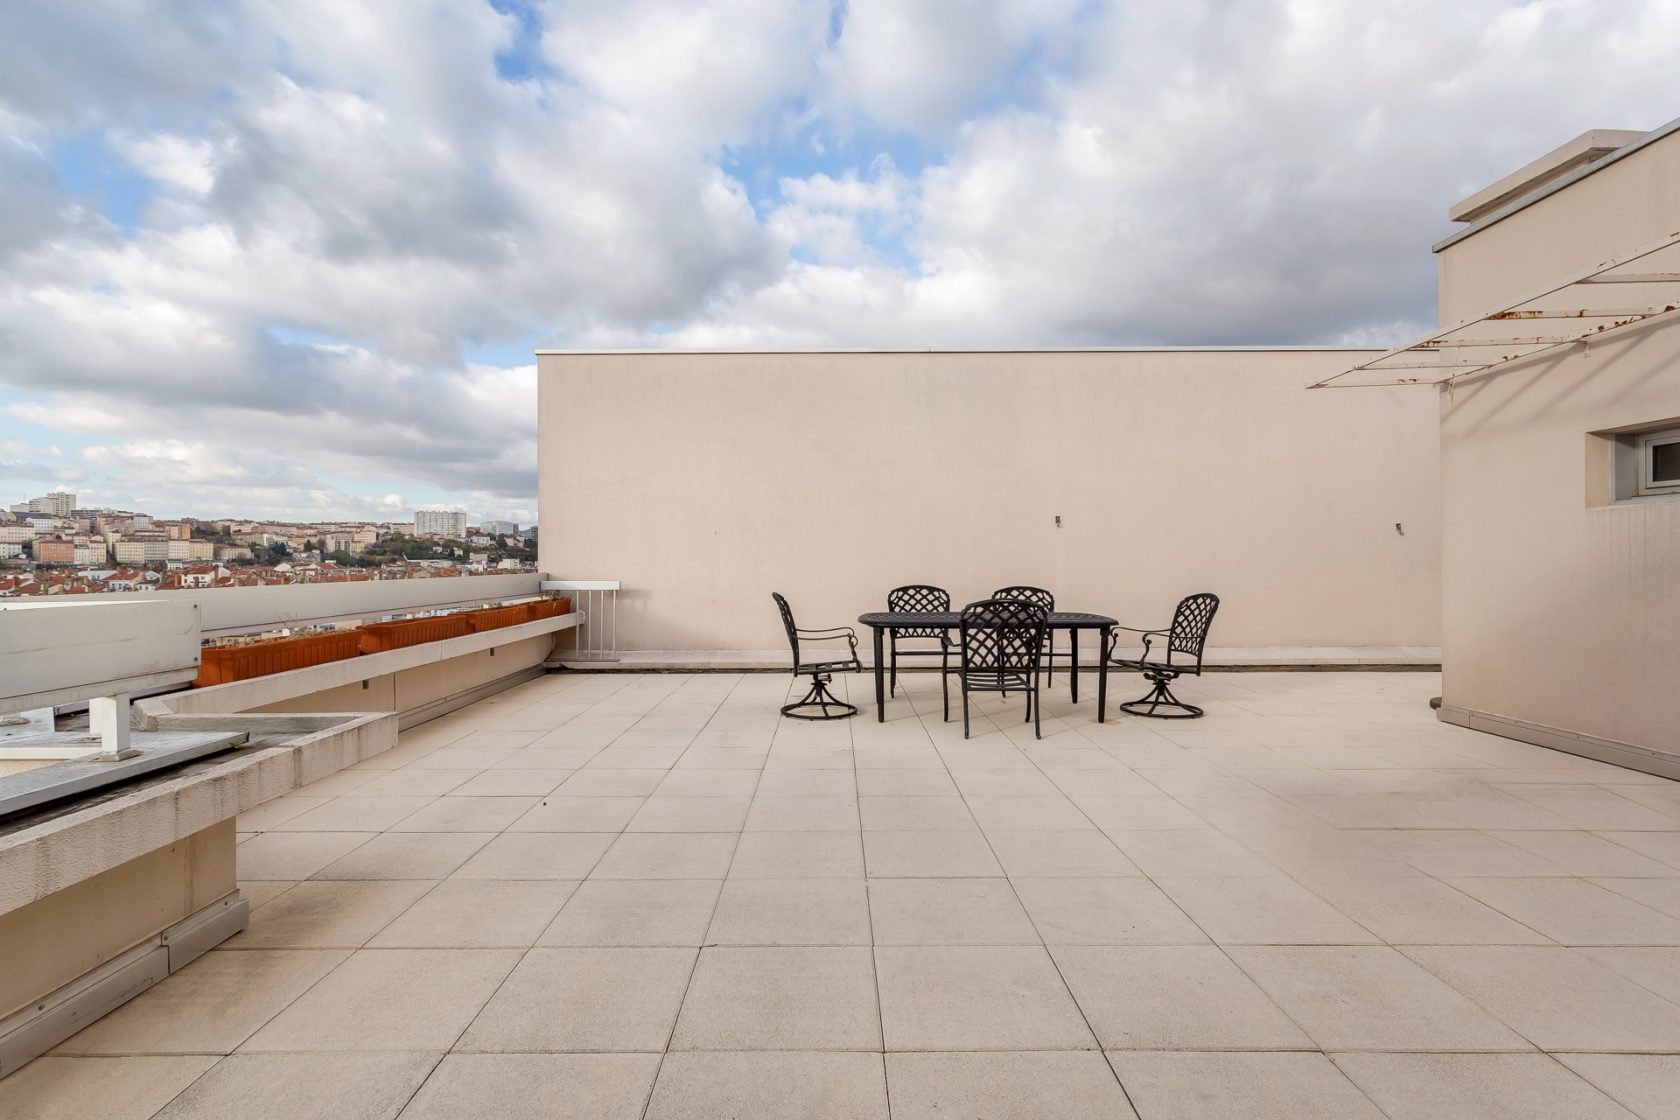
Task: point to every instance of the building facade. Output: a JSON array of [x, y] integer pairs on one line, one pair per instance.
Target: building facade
[[447, 523], [1561, 474]]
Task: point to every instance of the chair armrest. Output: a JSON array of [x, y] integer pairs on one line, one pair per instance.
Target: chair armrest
[[831, 634], [1148, 640]]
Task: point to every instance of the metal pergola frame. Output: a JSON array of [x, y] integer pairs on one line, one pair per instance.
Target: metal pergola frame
[[1457, 351]]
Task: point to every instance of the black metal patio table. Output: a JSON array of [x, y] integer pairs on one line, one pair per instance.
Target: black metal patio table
[[1072, 621]]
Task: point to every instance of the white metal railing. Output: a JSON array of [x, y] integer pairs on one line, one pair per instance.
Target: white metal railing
[[596, 636]]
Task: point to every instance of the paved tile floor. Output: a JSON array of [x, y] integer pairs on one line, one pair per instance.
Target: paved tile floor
[[613, 896]]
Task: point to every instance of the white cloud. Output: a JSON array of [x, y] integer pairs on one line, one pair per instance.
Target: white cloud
[[347, 200]]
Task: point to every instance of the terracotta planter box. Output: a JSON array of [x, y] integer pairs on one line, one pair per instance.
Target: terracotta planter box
[[224, 664], [380, 637], [497, 617], [550, 608]]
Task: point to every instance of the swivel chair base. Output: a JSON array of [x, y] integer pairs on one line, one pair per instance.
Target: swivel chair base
[[1161, 696], [820, 698]]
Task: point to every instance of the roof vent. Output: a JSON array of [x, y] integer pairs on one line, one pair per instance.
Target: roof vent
[[1589, 147]]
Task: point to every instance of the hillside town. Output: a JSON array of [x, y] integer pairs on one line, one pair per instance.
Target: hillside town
[[51, 546]]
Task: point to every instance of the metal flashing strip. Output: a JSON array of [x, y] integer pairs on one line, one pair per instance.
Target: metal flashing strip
[[1555, 185], [1597, 298], [153, 751]]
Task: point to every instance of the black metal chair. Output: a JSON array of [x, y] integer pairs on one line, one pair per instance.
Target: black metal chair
[[1048, 601], [821, 670], [918, 598], [1002, 641], [1186, 636]]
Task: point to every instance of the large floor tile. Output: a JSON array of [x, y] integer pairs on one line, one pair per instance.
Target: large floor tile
[[799, 855], [1655, 968], [994, 997], [558, 813], [408, 855], [295, 855], [537, 855], [1179, 1086], [1574, 912], [1419, 910], [466, 814], [1262, 911], [914, 813], [355, 814], [1173, 997], [585, 1001], [611, 783], [1477, 1087], [792, 998], [770, 1086], [536, 1087], [54, 1088], [636, 912], [390, 999], [211, 1006], [690, 814], [329, 915], [1370, 998], [962, 911], [1105, 911], [792, 912], [477, 914], [652, 855], [1040, 854], [302, 1086], [1038, 1085], [1051, 811], [1189, 853], [1649, 1084], [1557, 998]]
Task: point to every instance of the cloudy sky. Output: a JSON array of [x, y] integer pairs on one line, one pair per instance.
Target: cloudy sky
[[291, 257]]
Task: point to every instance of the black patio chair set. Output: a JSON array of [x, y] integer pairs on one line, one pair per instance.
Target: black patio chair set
[[1004, 644]]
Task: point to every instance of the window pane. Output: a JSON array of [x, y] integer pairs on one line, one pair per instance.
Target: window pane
[[1665, 463]]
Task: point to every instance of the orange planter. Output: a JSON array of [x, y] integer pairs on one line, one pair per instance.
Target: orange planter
[[550, 608], [224, 664], [379, 637], [497, 617]]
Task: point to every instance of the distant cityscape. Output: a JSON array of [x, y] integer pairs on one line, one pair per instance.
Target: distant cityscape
[[50, 546]]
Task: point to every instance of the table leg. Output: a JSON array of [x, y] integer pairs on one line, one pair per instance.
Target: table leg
[[880, 678], [1073, 672], [1102, 674]]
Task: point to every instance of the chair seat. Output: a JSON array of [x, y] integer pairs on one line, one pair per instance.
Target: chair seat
[[982, 681], [838, 665], [1140, 666]]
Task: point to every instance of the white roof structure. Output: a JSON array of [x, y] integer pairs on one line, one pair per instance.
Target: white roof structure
[[1624, 291]]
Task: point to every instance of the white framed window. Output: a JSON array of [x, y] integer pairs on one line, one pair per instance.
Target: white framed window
[[1658, 462]]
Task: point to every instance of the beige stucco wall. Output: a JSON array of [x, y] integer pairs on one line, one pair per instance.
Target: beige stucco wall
[[53, 941], [705, 481], [1560, 610]]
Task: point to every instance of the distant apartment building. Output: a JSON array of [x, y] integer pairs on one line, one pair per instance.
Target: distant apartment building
[[91, 553], [138, 549], [499, 528], [57, 503], [232, 552], [440, 523], [16, 534], [54, 551], [10, 550], [189, 549]]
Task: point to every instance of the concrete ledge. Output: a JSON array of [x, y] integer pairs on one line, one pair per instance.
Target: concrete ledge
[[1234, 658], [1664, 764], [39, 860]]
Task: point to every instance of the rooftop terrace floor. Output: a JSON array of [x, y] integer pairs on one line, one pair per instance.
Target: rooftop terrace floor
[[632, 895]]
